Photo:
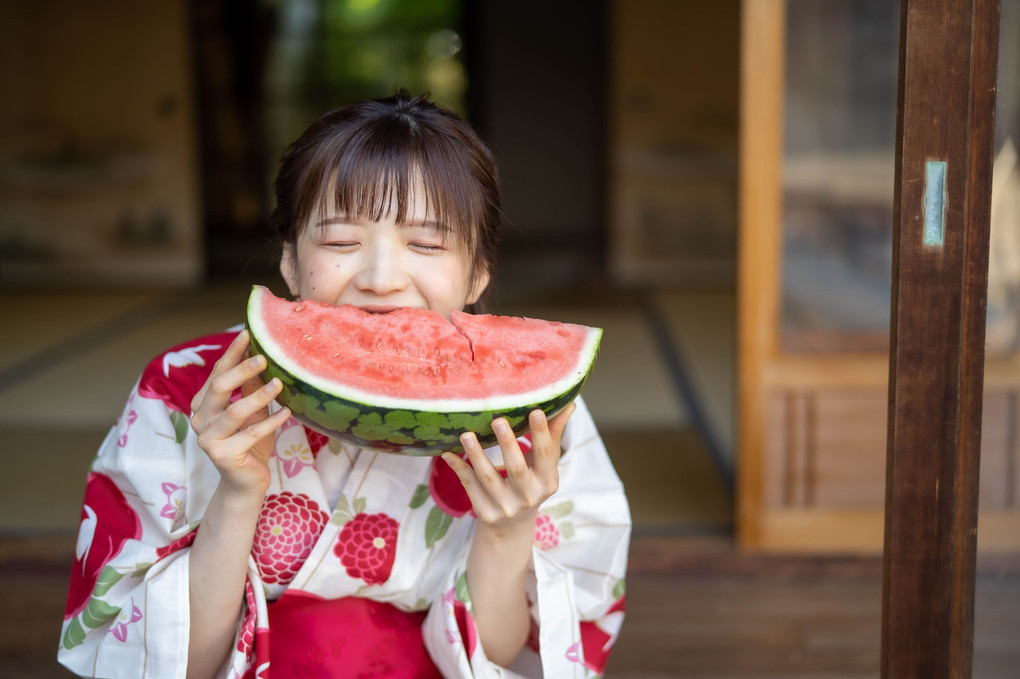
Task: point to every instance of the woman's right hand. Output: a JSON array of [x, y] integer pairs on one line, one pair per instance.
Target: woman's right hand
[[238, 437]]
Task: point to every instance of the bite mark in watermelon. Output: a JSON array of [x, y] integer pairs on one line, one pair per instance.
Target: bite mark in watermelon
[[410, 381]]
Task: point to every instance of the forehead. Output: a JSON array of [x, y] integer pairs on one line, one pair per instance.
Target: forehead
[[404, 200]]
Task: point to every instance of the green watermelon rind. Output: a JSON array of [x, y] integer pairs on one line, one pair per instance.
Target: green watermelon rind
[[399, 430]]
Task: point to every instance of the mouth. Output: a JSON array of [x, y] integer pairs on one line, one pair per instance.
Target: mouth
[[379, 308]]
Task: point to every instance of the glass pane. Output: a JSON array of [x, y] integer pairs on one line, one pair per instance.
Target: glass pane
[[996, 596], [1004, 254], [838, 173]]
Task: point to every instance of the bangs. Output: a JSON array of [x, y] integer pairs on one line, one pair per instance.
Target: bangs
[[384, 158], [381, 167]]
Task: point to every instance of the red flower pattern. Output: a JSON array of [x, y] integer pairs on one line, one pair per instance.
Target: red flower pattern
[[246, 639], [367, 545], [448, 492], [547, 535], [287, 530], [316, 441]]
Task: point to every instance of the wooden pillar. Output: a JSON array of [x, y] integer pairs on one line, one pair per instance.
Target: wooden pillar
[[948, 52]]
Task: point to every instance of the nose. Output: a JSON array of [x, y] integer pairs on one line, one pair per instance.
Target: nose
[[382, 272]]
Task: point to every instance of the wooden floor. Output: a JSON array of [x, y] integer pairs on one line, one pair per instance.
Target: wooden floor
[[697, 609]]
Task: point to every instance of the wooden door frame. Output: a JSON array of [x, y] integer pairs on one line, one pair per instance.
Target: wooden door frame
[[935, 370], [942, 209], [766, 371], [762, 27]]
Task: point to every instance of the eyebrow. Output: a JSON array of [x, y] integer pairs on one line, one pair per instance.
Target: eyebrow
[[360, 221]]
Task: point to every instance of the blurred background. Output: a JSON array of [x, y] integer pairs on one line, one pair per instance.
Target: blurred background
[[138, 145]]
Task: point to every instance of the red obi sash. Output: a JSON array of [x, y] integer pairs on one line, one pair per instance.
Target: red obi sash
[[311, 637]]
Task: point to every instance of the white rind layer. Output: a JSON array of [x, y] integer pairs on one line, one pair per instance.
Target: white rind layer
[[586, 357]]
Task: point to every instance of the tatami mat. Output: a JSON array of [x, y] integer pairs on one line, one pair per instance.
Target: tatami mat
[[89, 387], [671, 480], [43, 482], [702, 326], [39, 321], [71, 361]]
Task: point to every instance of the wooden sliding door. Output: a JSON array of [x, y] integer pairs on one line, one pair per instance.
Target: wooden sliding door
[[815, 258]]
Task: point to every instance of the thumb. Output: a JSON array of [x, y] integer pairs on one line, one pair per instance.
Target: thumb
[[558, 423]]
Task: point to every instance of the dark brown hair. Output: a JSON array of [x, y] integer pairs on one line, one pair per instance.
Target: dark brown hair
[[371, 152]]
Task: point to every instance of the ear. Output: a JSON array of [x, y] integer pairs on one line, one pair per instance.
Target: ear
[[288, 269], [481, 282]]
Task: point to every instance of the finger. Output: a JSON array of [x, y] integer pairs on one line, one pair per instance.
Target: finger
[[240, 412], [214, 397], [559, 422], [231, 357], [254, 442], [513, 459], [545, 437], [480, 500], [481, 465], [251, 385], [248, 437], [223, 385]]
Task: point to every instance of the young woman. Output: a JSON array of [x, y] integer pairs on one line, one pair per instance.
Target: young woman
[[220, 537]]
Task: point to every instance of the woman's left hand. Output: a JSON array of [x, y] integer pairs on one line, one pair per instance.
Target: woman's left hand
[[512, 503]]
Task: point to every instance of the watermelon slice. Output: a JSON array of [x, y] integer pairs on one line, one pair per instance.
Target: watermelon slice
[[411, 381]]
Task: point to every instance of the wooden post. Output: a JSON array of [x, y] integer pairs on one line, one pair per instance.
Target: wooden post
[[948, 53]]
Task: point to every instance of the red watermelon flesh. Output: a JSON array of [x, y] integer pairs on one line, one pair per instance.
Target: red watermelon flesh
[[417, 361]]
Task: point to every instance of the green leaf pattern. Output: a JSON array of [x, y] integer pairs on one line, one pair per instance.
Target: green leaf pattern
[[96, 614], [344, 511], [559, 511], [181, 426], [421, 494], [461, 588], [556, 513], [108, 577], [620, 588], [436, 526]]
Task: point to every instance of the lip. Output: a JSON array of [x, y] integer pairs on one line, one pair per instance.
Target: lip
[[379, 308]]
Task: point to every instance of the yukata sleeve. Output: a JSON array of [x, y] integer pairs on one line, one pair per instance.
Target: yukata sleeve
[[128, 611], [577, 580]]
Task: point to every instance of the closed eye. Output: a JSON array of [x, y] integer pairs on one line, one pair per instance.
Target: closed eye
[[427, 247], [342, 245]]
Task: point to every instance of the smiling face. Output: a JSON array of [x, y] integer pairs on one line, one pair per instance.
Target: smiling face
[[390, 202], [382, 264]]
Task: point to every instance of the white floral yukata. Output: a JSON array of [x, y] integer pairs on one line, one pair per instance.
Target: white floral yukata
[[376, 541]]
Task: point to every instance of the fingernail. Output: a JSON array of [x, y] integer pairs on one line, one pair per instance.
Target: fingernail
[[499, 426]]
